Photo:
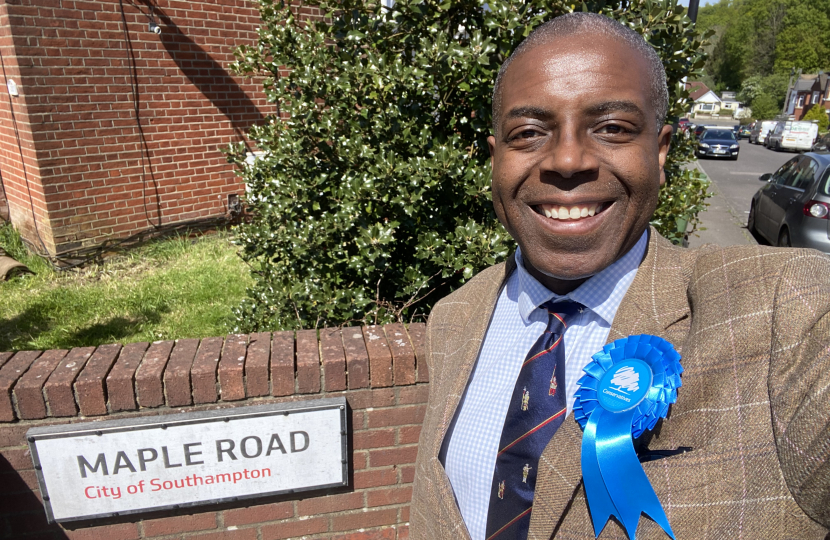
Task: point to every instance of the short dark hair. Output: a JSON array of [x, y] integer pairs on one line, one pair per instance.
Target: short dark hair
[[595, 23]]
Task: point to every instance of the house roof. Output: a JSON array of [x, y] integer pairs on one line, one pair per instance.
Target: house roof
[[805, 82], [696, 89]]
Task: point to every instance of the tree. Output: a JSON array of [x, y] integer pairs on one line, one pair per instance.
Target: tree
[[751, 88], [372, 198], [765, 107], [765, 95], [817, 113]]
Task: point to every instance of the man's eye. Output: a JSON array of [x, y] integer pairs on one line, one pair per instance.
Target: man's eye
[[525, 134], [612, 129]]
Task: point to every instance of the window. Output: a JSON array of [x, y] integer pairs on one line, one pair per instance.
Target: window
[[706, 106], [803, 175], [785, 172], [800, 101], [825, 182], [718, 134], [815, 97]]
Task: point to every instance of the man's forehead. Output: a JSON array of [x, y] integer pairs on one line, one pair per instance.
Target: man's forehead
[[582, 66], [575, 53]]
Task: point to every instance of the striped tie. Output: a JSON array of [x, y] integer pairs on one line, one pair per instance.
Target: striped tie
[[536, 411]]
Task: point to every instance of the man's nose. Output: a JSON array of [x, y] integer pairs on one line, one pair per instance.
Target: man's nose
[[568, 154]]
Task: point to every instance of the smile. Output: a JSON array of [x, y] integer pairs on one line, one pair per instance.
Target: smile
[[567, 213]]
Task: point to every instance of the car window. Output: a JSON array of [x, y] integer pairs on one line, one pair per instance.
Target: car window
[[786, 171], [718, 134], [803, 174], [824, 185]]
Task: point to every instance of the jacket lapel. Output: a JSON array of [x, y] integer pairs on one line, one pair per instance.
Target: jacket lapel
[[470, 318], [474, 327], [654, 304]]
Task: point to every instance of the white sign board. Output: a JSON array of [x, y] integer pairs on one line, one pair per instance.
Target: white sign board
[[104, 469]]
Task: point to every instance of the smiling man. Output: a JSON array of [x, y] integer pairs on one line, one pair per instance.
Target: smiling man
[[578, 150]]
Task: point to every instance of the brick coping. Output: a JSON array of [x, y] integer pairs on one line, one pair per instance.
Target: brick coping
[[108, 379]]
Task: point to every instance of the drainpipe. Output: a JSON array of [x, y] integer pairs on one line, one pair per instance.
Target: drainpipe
[[693, 5]]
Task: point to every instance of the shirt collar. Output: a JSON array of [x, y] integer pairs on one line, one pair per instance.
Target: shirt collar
[[601, 293]]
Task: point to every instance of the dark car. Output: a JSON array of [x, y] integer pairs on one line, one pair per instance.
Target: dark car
[[716, 142], [699, 130], [822, 144], [736, 129], [793, 207]]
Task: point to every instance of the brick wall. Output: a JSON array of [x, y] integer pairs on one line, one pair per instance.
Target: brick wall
[[378, 369], [94, 168]]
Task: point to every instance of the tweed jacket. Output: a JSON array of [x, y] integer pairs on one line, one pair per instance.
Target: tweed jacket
[[753, 329]]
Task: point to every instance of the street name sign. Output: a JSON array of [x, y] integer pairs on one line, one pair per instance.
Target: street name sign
[[112, 468]]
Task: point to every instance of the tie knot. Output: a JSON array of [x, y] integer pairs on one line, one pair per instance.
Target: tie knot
[[562, 311]]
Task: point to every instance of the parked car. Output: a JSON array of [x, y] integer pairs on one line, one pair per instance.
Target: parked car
[[793, 206], [744, 132], [792, 135], [822, 144], [698, 131], [716, 142], [736, 129], [683, 124], [759, 132]]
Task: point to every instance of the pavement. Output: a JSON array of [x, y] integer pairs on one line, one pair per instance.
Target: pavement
[[733, 185]]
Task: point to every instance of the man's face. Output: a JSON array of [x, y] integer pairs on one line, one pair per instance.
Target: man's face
[[578, 157]]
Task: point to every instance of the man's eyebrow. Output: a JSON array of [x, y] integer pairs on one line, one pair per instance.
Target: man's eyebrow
[[528, 111], [614, 106]]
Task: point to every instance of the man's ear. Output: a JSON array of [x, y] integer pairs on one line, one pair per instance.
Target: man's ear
[[491, 142], [663, 144]]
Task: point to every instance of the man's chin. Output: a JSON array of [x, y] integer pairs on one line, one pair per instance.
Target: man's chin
[[559, 279]]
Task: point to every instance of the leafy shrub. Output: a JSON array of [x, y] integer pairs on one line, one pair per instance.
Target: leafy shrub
[[372, 198], [817, 112]]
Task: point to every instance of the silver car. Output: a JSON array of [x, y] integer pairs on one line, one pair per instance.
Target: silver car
[[793, 207]]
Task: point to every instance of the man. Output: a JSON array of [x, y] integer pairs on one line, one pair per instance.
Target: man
[[577, 154]]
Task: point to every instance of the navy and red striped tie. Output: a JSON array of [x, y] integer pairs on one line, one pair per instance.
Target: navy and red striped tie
[[537, 409]]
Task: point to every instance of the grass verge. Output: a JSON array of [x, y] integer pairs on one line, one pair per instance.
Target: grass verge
[[170, 289]]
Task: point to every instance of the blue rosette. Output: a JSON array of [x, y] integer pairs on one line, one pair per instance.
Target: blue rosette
[[626, 389]]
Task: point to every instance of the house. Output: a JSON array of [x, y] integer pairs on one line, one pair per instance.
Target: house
[[729, 104], [116, 115], [811, 90], [706, 102]]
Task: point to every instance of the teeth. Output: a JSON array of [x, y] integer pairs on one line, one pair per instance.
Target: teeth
[[569, 212]]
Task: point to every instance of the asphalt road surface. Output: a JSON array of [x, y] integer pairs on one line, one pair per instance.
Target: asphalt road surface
[[733, 184]]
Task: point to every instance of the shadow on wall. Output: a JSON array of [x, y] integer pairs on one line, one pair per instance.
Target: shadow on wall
[[207, 75], [25, 509]]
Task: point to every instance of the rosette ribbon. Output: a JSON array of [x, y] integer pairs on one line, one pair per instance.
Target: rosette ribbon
[[626, 389]]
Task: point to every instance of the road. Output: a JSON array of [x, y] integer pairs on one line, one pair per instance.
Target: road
[[733, 184]]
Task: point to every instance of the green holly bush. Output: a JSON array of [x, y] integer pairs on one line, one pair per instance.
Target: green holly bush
[[371, 197]]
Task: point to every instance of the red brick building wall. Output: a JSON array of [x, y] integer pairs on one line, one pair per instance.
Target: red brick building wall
[[120, 128], [380, 371]]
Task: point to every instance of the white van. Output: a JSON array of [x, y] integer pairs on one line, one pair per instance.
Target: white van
[[760, 130], [791, 135]]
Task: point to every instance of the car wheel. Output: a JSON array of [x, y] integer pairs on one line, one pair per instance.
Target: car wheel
[[750, 220], [784, 238]]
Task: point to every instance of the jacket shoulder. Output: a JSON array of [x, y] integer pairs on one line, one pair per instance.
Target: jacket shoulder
[[480, 286]]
